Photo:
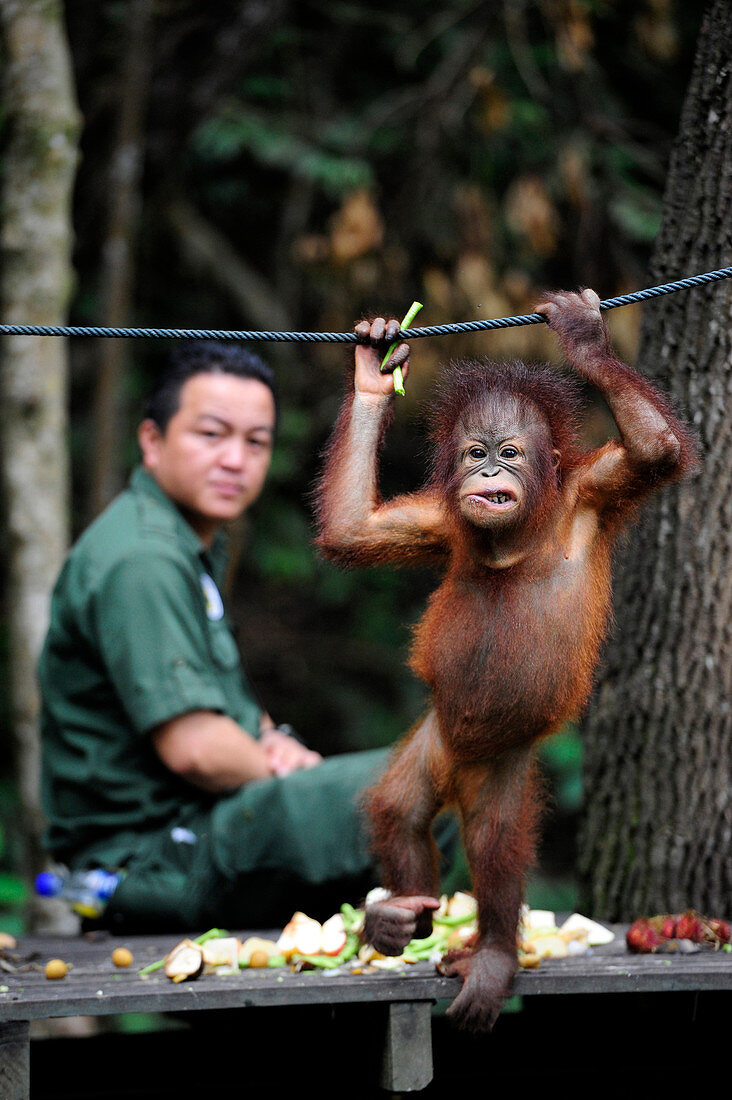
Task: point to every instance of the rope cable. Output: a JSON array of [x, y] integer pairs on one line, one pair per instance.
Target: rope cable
[[346, 337]]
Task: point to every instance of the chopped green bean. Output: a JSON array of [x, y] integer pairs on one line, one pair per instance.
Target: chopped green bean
[[453, 922]]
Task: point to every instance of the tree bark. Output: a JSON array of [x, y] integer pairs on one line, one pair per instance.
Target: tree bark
[[41, 126], [657, 829]]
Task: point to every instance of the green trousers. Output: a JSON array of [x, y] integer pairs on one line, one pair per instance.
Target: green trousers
[[274, 846]]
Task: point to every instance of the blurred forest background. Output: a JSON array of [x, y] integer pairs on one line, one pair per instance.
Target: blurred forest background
[[271, 164]]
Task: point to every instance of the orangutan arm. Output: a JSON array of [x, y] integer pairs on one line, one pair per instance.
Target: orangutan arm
[[653, 445], [355, 526]]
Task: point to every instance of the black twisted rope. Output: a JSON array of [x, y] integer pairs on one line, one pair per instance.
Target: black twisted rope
[[346, 337]]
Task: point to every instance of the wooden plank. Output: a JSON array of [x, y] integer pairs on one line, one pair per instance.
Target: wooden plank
[[15, 1060], [95, 987], [613, 969]]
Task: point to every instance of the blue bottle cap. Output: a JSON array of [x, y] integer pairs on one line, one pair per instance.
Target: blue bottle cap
[[48, 884], [106, 884]]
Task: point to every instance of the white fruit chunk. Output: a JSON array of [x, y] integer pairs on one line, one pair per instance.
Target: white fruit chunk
[[185, 961], [333, 935], [301, 935], [222, 953], [597, 934]]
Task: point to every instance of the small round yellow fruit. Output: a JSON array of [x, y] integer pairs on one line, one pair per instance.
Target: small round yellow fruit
[[258, 959], [56, 968], [122, 956]]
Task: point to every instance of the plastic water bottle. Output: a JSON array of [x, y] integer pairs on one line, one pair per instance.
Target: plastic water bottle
[[87, 892]]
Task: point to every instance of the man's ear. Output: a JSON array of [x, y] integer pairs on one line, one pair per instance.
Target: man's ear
[[149, 438]]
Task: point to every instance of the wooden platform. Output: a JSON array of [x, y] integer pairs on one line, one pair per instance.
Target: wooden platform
[[401, 1003]]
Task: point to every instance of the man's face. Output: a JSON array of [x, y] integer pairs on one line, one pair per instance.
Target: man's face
[[213, 458]]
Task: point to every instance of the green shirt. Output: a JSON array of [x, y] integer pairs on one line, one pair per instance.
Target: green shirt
[[138, 635]]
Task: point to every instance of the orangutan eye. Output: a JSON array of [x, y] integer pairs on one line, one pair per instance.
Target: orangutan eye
[[509, 453], [477, 452]]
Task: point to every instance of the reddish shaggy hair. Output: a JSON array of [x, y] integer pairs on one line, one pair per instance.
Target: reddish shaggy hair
[[465, 384]]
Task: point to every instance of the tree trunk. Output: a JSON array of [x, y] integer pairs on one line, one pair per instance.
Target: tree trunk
[[41, 125], [657, 829]]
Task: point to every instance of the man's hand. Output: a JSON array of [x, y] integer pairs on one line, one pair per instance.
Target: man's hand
[[213, 752], [285, 754], [376, 336]]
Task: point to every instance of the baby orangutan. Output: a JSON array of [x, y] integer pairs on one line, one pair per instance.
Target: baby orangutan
[[523, 522]]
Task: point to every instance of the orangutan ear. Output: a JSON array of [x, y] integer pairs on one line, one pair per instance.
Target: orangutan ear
[[556, 459]]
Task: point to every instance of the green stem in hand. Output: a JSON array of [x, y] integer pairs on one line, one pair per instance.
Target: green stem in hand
[[398, 376]]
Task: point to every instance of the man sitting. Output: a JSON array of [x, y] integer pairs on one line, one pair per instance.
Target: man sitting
[[157, 757]]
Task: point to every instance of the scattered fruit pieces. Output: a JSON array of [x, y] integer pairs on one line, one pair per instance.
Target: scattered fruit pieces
[[222, 954], [258, 959], [377, 893], [184, 962], [304, 936], [306, 944], [597, 934], [462, 935], [367, 954], [7, 942], [260, 947], [301, 936], [460, 907], [537, 921], [56, 969], [677, 932], [721, 929], [122, 956], [387, 962], [333, 936], [642, 937], [547, 945], [539, 935]]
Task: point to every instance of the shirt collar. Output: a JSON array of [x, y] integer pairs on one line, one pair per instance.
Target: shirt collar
[[143, 482]]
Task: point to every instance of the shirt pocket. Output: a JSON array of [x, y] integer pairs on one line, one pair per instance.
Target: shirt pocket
[[223, 647]]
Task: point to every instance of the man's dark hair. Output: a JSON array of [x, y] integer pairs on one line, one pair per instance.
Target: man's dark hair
[[202, 357]]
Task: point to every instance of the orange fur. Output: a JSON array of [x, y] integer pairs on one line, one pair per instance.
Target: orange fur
[[511, 638]]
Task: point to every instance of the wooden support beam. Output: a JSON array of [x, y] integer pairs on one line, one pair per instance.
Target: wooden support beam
[[15, 1060], [407, 1062]]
